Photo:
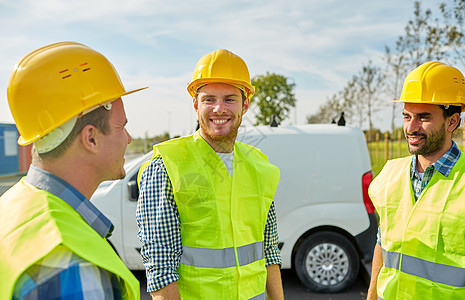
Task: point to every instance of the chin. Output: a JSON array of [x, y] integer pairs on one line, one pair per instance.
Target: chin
[[118, 176]]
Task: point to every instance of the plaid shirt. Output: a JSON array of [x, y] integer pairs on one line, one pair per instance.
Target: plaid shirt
[[160, 231], [61, 274], [443, 165]]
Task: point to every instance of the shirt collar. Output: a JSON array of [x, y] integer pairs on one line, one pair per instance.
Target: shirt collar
[[444, 164], [46, 181]]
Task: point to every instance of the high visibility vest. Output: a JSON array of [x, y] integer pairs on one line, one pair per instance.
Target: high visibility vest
[[222, 218], [33, 222], [423, 241]]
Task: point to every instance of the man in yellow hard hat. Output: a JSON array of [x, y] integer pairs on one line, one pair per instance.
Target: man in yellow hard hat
[[205, 213], [420, 199], [65, 99]]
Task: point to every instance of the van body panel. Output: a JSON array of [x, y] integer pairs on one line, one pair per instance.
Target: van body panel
[[320, 187]]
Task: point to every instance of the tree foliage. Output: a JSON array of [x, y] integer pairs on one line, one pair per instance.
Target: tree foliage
[[358, 99], [452, 28], [424, 39], [370, 87], [274, 95], [327, 113]]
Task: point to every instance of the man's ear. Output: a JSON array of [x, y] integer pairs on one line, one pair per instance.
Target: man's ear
[[245, 106], [89, 138], [196, 104], [453, 122]]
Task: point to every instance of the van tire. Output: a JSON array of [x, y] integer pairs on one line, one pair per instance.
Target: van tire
[[327, 262]]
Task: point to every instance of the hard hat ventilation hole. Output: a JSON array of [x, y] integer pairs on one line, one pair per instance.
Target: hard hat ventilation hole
[[64, 71], [86, 69], [457, 80]]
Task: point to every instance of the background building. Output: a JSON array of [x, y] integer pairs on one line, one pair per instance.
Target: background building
[[13, 158]]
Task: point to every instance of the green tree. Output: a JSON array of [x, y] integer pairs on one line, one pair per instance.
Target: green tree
[[370, 81], [274, 95], [327, 112], [341, 101], [359, 99], [422, 41], [395, 72], [352, 105], [452, 28]]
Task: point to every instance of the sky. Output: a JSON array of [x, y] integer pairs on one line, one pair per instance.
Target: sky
[[318, 45]]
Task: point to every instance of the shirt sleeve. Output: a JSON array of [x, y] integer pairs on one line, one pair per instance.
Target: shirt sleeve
[[61, 274], [272, 253], [159, 228]]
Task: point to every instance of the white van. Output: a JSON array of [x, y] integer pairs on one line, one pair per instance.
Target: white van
[[326, 222]]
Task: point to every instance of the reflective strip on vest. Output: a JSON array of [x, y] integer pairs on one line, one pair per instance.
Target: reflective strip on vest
[[222, 258], [440, 273], [259, 297], [391, 259]]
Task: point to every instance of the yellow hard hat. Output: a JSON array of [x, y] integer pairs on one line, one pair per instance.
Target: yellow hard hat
[[221, 66], [55, 83], [434, 83]]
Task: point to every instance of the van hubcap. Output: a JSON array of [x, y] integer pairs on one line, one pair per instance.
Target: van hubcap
[[327, 264]]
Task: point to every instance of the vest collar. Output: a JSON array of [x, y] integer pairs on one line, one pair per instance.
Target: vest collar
[[444, 164], [46, 181]]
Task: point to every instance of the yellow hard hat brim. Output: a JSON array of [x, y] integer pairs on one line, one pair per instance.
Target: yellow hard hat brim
[[433, 103]]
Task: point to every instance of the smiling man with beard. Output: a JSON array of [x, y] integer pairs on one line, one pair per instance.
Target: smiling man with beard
[[420, 252], [205, 213]]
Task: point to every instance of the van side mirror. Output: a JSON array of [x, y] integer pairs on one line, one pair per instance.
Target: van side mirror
[[133, 190]]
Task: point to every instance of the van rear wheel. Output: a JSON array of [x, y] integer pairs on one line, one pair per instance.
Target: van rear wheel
[[327, 262]]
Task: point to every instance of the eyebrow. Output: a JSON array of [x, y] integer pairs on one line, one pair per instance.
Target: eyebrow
[[421, 114]]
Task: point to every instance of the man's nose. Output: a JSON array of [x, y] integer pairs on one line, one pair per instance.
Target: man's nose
[[219, 107], [413, 125]]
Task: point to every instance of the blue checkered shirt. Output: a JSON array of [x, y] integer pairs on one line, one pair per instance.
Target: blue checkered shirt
[[160, 231], [61, 274], [443, 165]]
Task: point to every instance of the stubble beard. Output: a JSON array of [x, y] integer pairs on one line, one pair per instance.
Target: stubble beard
[[433, 143], [228, 138]]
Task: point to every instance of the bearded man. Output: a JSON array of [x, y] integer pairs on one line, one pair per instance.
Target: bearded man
[[205, 213], [420, 252]]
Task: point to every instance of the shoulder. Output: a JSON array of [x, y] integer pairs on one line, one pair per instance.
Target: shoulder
[[176, 142], [62, 267], [246, 148], [392, 170], [395, 164], [151, 167]]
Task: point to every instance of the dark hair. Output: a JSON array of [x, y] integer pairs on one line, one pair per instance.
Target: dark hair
[[450, 111], [98, 118]]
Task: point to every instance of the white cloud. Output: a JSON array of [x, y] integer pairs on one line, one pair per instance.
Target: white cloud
[[318, 44]]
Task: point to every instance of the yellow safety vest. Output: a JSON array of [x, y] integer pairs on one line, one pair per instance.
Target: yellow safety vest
[[423, 241], [33, 222], [222, 218]]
